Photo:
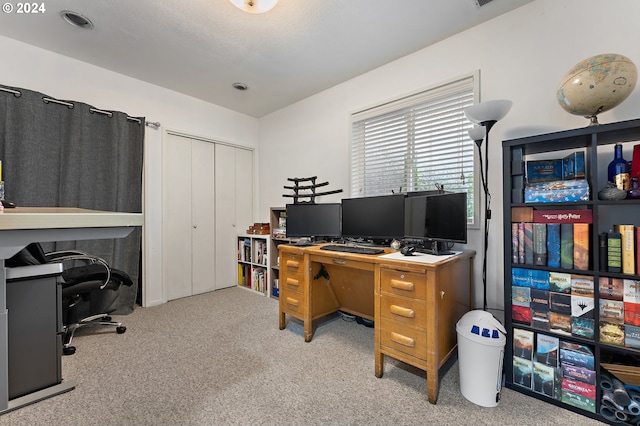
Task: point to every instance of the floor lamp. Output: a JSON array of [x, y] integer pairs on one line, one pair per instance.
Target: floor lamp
[[484, 115]]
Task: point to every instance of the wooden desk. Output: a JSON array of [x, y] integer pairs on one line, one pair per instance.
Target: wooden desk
[[21, 226], [415, 305]]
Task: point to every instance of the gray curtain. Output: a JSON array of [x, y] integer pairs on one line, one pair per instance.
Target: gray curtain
[[56, 155]]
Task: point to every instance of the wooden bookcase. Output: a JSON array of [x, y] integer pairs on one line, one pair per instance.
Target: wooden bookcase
[[597, 144], [254, 258], [277, 218]]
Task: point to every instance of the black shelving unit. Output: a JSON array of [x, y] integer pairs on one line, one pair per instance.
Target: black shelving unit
[[597, 142]]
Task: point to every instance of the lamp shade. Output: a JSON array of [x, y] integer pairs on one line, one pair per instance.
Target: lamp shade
[[254, 6], [488, 111], [476, 133]]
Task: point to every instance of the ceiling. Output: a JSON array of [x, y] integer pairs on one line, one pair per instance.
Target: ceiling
[[201, 47]]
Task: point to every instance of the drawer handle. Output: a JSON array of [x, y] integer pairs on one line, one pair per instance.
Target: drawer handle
[[293, 282], [402, 285], [403, 340], [403, 312], [339, 261], [293, 263], [294, 302]]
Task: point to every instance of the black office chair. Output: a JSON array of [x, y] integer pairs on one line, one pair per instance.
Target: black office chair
[[89, 291]]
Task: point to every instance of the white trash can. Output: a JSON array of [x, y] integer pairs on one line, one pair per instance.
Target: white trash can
[[481, 341]]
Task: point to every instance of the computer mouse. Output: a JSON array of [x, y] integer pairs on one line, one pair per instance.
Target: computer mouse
[[408, 250]]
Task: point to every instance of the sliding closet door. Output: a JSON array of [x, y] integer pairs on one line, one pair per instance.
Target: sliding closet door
[[203, 227], [208, 199], [177, 216], [234, 208]]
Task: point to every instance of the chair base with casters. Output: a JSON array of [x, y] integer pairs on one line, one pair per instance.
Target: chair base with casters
[[89, 303], [92, 321]]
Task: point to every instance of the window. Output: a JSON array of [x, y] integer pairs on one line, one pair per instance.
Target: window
[[417, 143]]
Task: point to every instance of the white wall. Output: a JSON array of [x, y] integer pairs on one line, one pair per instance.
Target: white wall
[[522, 56], [64, 78]]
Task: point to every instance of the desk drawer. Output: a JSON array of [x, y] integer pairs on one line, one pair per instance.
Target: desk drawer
[[404, 283], [409, 312], [409, 340], [292, 303]]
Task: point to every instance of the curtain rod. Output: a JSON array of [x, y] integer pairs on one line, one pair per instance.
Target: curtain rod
[[70, 105]]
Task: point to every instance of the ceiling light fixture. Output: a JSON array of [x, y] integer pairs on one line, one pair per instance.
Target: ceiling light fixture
[[76, 19], [240, 86], [254, 6]]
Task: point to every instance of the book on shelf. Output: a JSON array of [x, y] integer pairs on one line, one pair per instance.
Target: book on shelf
[[547, 349], [612, 310], [611, 332], [521, 254], [560, 282], [553, 245], [566, 246], [631, 313], [514, 243], [579, 373], [583, 327], [582, 285], [543, 379], [576, 354], [611, 288], [521, 277], [627, 247], [539, 279], [614, 252], [632, 336], [637, 234], [540, 319], [602, 251], [522, 371], [523, 343], [563, 216], [560, 323], [539, 244], [528, 243], [581, 246], [560, 303]]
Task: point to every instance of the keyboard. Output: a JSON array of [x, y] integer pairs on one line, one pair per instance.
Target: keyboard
[[352, 249]]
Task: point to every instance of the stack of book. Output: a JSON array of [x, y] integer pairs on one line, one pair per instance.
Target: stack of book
[[553, 301], [620, 312], [557, 180], [554, 238], [619, 249], [555, 368]]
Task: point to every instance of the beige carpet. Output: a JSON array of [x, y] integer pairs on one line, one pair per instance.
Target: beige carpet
[[220, 359]]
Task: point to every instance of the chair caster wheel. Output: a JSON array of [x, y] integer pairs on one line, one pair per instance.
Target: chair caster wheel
[[69, 350], [121, 329]]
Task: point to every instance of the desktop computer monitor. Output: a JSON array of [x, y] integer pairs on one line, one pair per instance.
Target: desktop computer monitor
[[373, 218], [438, 217], [314, 221]]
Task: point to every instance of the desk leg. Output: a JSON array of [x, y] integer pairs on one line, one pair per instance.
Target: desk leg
[[283, 320], [308, 330], [432, 383], [379, 362]]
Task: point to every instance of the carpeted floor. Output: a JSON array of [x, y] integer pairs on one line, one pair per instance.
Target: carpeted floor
[[220, 359]]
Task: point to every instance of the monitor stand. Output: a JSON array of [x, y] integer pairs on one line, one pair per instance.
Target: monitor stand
[[436, 248]]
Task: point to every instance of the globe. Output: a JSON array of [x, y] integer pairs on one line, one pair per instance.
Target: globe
[[597, 84]]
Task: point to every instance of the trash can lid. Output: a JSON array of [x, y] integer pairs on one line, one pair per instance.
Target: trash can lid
[[482, 327]]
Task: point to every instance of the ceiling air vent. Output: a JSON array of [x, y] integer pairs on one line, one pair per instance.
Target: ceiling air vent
[[482, 2]]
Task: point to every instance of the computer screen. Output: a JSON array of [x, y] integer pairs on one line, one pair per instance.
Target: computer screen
[[313, 220], [437, 217], [377, 218]]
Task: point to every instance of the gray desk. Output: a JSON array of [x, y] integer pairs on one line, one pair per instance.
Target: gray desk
[[22, 226]]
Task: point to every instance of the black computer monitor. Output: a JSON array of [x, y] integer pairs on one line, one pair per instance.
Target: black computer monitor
[[315, 221], [373, 218], [439, 218]]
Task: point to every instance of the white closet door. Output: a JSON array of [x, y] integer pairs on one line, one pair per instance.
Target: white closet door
[[203, 211], [177, 216], [226, 229]]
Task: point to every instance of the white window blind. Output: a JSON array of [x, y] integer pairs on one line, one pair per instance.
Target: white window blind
[[416, 143]]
